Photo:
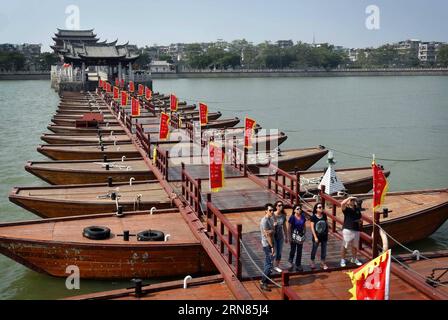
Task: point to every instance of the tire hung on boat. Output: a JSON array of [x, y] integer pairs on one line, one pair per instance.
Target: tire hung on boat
[[151, 235], [96, 233]]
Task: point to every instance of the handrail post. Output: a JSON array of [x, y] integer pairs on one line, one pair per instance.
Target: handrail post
[[198, 195], [209, 199], [285, 284], [333, 223], [239, 230], [297, 174], [375, 237], [183, 178], [166, 165], [245, 162], [322, 199]]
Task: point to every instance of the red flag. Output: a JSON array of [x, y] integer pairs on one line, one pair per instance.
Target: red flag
[[203, 113], [122, 83], [371, 281], [124, 98], [173, 103], [100, 83], [116, 93], [116, 82], [104, 85], [148, 93], [131, 86], [249, 127], [135, 107], [164, 128], [216, 167], [141, 89], [380, 185], [108, 87]]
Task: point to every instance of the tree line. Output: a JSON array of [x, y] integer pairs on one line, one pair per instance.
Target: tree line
[[16, 61]]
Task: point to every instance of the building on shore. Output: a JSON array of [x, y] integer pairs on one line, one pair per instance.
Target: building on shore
[[427, 51], [84, 60], [157, 66], [30, 52]]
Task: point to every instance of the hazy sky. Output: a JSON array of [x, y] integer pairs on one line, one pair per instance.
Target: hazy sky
[[341, 22]]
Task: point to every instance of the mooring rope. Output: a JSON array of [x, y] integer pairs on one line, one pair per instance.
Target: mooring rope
[[256, 265]]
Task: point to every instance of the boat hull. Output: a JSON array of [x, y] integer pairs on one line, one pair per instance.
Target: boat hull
[[102, 262], [65, 177], [61, 154]]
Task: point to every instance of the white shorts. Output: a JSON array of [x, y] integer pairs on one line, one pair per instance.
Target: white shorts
[[350, 236]]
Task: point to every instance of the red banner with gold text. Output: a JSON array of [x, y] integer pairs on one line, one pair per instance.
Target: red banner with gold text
[[203, 113], [164, 128], [216, 167], [249, 126]]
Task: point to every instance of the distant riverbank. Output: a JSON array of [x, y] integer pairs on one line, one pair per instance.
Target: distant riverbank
[[300, 73], [25, 75]]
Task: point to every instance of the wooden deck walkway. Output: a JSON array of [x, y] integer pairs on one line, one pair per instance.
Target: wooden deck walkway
[[253, 250]]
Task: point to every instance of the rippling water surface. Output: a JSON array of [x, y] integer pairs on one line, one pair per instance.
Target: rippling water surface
[[396, 118]]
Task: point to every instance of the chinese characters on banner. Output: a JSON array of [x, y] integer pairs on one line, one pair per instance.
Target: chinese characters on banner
[[104, 85], [116, 93], [116, 82], [380, 185], [124, 98], [135, 107], [371, 281], [249, 127], [108, 87], [148, 93], [216, 167], [122, 83], [203, 113], [164, 128], [100, 83], [131, 86], [141, 89], [173, 103]]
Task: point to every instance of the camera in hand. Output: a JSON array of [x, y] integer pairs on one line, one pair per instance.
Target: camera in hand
[[358, 206]]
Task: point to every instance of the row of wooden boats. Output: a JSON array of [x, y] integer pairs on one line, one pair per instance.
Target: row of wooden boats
[[101, 181]]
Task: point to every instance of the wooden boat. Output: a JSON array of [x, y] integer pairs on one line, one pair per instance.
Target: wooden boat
[[88, 152], [71, 200], [415, 214], [355, 180], [287, 160], [86, 131], [87, 171], [221, 123], [69, 139], [79, 112], [316, 285], [179, 108], [84, 108], [107, 117], [50, 246], [259, 141], [72, 122]]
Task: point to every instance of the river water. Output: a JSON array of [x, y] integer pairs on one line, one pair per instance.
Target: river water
[[402, 120]]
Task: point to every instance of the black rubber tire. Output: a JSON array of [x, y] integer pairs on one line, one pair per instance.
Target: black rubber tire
[[96, 233], [151, 235]]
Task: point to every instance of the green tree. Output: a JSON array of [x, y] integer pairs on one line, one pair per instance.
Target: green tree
[[46, 60], [442, 56], [12, 61]]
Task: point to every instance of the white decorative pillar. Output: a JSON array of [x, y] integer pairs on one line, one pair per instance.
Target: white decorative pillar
[[83, 73], [131, 74]]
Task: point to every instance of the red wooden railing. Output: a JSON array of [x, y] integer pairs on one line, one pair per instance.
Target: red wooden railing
[[364, 237], [162, 158], [238, 158], [144, 139], [284, 184], [191, 191], [287, 292], [225, 236], [128, 122]]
